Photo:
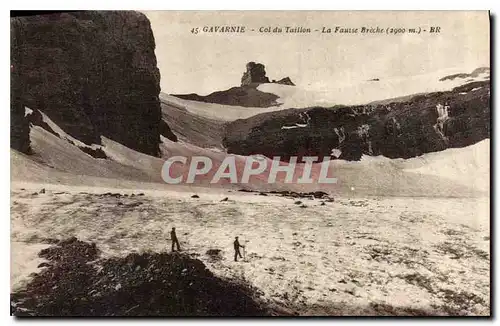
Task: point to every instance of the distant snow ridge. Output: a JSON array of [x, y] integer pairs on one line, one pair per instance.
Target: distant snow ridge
[[331, 93], [340, 92]]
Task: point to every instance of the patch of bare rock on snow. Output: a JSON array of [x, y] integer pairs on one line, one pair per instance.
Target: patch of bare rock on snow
[[76, 282]]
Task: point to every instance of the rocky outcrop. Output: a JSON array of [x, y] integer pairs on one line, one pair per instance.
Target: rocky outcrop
[[285, 81], [247, 96], [93, 73], [401, 129], [255, 73]]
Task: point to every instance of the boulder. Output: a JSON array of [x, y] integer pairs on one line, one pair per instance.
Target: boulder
[[255, 73]]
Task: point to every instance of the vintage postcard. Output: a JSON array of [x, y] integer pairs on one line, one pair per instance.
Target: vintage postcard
[[250, 163]]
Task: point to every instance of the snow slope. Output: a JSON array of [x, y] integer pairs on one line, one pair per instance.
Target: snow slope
[[215, 111], [63, 156], [193, 128], [451, 173], [469, 166], [364, 92]]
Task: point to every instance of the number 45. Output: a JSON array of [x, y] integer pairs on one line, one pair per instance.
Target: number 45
[[194, 30]]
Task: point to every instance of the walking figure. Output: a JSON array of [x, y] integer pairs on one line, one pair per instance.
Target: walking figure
[[173, 237], [237, 249]]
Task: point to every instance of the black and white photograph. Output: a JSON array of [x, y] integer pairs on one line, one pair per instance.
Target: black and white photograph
[[250, 163]]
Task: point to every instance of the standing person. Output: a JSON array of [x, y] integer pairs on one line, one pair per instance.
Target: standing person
[[174, 239], [237, 249]]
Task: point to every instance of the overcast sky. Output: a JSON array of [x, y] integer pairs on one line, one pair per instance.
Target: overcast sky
[[203, 63]]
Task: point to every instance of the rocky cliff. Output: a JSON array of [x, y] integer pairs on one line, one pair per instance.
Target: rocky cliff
[[247, 94], [19, 128], [93, 73], [255, 73], [400, 129]]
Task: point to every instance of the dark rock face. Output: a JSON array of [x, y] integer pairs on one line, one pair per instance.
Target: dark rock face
[[19, 127], [93, 73], [285, 81], [255, 73], [403, 129], [151, 284], [247, 96]]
